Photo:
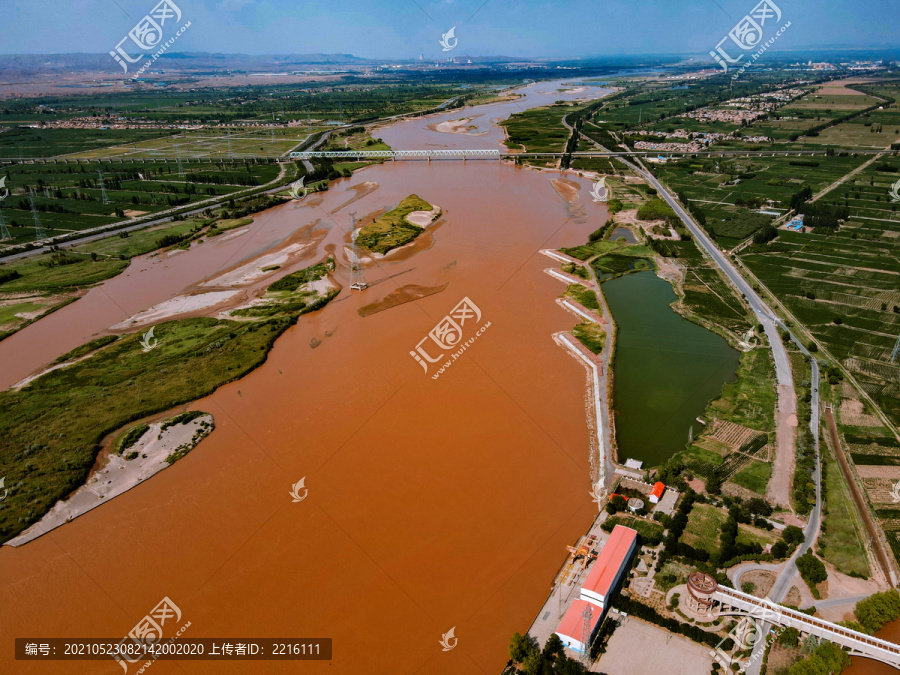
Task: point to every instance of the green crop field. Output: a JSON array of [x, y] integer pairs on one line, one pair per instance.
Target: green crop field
[[845, 288], [68, 197], [27, 142]]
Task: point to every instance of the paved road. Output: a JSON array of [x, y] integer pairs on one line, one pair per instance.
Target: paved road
[[770, 323]]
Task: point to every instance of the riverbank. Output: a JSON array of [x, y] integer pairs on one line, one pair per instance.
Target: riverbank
[[160, 445], [58, 418]]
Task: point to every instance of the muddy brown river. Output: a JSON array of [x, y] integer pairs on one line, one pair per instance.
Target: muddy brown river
[[431, 504]]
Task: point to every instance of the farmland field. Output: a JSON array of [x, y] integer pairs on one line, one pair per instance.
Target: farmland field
[[69, 197], [703, 528]]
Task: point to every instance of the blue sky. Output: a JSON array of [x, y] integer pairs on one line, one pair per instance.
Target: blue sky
[[407, 28]]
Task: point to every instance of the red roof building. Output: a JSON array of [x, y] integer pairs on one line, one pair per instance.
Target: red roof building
[[657, 492], [610, 565], [571, 628]]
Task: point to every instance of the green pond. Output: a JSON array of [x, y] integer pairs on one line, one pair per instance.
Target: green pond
[[667, 369]]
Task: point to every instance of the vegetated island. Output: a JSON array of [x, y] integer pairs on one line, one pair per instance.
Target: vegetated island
[[53, 426], [398, 226], [139, 453]]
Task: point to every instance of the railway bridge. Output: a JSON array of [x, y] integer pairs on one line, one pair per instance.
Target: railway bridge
[[472, 153]]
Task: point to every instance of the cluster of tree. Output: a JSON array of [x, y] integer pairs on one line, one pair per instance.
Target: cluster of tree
[[25, 205], [878, 609], [811, 569], [527, 658], [791, 536], [826, 659], [616, 504], [694, 210], [676, 525], [647, 613], [817, 214], [8, 275], [765, 234], [656, 209], [800, 197], [601, 232], [730, 548], [172, 239], [804, 487]]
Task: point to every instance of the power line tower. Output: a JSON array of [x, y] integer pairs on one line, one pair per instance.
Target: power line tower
[[39, 233], [103, 196], [178, 160], [4, 230], [228, 134], [896, 351], [586, 633], [357, 278]]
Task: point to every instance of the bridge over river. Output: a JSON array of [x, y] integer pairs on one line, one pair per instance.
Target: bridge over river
[[444, 154]]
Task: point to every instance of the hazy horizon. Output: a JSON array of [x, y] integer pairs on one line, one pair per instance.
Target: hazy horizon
[[412, 28]]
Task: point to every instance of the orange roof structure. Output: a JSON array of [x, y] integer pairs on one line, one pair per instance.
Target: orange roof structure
[[571, 628], [609, 564], [657, 492]]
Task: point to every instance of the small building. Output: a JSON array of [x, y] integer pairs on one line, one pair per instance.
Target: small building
[[571, 629], [657, 492], [610, 566]]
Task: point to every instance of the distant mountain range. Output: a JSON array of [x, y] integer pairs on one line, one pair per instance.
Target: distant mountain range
[[13, 66]]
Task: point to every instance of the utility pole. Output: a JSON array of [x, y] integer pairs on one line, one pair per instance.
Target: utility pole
[[357, 277], [39, 233], [103, 195], [4, 230], [586, 633]]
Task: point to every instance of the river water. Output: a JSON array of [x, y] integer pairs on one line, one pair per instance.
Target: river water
[[432, 503]]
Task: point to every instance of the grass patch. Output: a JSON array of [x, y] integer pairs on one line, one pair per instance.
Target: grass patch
[[86, 348], [704, 526], [584, 296], [131, 437], [747, 534], [755, 476], [591, 335], [294, 280], [392, 229], [841, 542], [651, 533]]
